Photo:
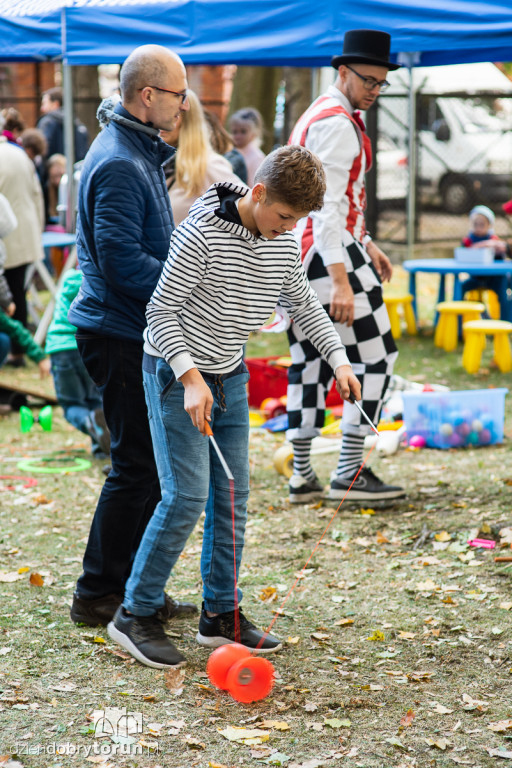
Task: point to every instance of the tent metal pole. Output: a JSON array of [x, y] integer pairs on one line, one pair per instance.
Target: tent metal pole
[[69, 132], [410, 60]]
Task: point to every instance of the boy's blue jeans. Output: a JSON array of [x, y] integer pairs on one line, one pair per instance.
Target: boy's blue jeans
[[192, 480], [76, 392]]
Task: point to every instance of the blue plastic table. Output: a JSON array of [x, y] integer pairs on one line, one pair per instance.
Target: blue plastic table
[[444, 267], [58, 239]]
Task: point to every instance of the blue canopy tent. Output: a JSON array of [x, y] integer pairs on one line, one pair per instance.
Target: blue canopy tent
[[263, 32], [257, 32]]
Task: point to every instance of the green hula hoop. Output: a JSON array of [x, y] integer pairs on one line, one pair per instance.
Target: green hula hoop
[[34, 465]]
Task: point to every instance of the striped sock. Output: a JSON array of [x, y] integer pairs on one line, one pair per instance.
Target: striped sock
[[351, 454], [302, 458]]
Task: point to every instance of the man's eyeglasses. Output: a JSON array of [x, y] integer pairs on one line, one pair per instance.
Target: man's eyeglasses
[[369, 83], [183, 96]]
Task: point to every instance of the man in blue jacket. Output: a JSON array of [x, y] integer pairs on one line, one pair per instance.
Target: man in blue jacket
[[123, 232]]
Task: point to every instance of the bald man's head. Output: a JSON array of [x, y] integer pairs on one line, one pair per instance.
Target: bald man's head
[[148, 65]]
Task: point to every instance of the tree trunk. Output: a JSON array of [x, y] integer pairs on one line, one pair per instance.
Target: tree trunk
[[298, 97], [257, 87], [86, 97]]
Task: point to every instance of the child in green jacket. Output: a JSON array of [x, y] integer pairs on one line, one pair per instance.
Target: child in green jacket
[[76, 392]]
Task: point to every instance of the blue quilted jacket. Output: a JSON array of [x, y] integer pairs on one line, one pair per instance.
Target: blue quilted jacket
[[124, 226]]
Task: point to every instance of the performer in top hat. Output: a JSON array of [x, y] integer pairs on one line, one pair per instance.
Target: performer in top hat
[[346, 269]]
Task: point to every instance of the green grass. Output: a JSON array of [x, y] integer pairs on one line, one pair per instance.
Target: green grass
[[431, 632]]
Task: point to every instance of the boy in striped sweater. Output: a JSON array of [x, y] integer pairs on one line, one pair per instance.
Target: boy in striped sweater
[[229, 263]]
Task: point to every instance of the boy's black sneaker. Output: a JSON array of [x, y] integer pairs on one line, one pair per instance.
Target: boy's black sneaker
[[302, 491], [367, 487], [219, 630], [145, 639]]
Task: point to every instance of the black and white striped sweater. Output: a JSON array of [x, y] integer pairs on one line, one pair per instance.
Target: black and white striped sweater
[[220, 283]]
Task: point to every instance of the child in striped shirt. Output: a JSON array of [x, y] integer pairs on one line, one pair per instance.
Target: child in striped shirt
[[230, 262]]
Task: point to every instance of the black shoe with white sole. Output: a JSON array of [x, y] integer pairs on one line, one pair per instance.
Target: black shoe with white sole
[[302, 491], [219, 630], [145, 639], [367, 487]]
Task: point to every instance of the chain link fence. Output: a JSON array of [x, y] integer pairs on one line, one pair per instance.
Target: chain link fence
[[463, 158]]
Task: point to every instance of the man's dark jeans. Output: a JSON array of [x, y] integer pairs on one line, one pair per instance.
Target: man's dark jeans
[[132, 490]]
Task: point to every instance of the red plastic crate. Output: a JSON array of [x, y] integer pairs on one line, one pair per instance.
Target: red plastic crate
[[267, 380]]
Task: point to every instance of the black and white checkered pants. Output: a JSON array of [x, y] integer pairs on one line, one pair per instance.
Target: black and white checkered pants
[[369, 345]]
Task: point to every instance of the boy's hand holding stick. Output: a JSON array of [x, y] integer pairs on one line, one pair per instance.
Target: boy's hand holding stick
[[198, 399]]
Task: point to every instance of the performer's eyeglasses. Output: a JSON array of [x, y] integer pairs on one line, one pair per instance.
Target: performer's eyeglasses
[[369, 83]]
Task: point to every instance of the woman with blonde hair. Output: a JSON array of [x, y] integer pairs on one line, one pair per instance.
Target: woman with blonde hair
[[195, 166]]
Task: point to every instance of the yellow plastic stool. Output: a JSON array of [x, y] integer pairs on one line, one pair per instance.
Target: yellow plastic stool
[[392, 305], [447, 329], [487, 297], [476, 331]]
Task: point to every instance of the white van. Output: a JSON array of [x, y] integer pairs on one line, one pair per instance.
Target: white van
[[464, 124]]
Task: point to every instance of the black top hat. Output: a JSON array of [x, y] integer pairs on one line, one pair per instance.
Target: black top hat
[[365, 46]]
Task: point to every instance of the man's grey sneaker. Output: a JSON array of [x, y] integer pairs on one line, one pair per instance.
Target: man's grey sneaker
[[102, 609], [302, 490], [219, 630], [367, 487], [145, 639]]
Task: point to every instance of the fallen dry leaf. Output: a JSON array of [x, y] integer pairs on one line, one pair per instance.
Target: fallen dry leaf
[[440, 710], [418, 677], [427, 586], [407, 719], [36, 579], [174, 680], [244, 735], [268, 595], [343, 622], [503, 753], [501, 725], [470, 703], [193, 743], [278, 725], [11, 576], [441, 743]]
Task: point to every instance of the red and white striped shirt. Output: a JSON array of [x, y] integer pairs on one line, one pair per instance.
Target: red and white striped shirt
[[328, 130]]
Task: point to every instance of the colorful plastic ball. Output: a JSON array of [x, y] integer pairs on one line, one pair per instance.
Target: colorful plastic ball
[[221, 661], [446, 429], [476, 425], [464, 429], [417, 441], [428, 388], [250, 679], [473, 438], [456, 418], [485, 436], [456, 440]]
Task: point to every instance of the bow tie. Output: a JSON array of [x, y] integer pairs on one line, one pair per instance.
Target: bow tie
[[359, 120]]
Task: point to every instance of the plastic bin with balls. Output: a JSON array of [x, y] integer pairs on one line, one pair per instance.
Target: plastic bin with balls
[[269, 379], [455, 419]]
